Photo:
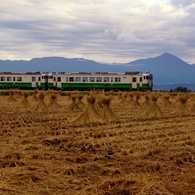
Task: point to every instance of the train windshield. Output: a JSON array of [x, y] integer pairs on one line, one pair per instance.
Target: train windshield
[[149, 77]]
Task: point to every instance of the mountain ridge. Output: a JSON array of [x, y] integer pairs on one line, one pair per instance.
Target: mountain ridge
[[165, 57], [166, 68]]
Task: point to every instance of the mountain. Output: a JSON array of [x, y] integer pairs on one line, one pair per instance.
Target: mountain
[[167, 69], [56, 64]]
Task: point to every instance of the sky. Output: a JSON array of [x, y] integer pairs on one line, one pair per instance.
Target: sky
[[101, 30]]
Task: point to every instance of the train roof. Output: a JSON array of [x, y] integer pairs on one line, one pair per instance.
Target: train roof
[[76, 73], [20, 73], [11, 73]]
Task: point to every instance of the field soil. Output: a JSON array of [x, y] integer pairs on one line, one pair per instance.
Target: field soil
[[58, 145]]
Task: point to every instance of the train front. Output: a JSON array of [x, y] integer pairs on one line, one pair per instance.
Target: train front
[[149, 78]]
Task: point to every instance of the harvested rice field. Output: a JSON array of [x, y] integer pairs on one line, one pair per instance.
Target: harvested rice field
[[129, 143]]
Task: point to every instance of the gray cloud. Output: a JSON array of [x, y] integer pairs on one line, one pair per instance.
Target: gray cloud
[[183, 3], [109, 30]]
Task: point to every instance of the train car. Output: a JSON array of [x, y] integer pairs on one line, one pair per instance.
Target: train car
[[20, 80], [77, 81]]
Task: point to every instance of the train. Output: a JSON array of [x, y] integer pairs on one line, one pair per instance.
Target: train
[[130, 80]]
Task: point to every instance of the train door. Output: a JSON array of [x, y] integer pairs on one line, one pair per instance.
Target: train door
[[140, 82], [39, 81], [33, 81], [134, 83], [46, 77], [59, 84], [54, 81]]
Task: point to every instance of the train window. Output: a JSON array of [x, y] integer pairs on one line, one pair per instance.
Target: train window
[[58, 79], [33, 78], [54, 79], [111, 79], [2, 78], [14, 78], [71, 79], [91, 79], [85, 79], [39, 78], [144, 77], [99, 79], [19, 78], [106, 79], [9, 78], [140, 79], [117, 79], [134, 79], [78, 79]]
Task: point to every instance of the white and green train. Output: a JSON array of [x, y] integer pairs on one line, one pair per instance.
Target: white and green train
[[77, 81]]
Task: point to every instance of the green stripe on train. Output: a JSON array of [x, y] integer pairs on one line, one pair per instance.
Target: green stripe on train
[[102, 86], [25, 85], [76, 85], [42, 85], [95, 85], [18, 85]]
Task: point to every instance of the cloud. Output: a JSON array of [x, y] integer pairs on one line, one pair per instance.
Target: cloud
[[102, 30], [183, 3]]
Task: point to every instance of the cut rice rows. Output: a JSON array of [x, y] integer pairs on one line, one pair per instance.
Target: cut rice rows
[[129, 143]]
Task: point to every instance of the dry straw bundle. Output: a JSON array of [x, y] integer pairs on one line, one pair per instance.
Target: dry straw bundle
[[98, 105], [41, 105], [193, 108], [53, 102], [191, 100], [131, 100], [193, 103], [11, 96], [107, 113], [181, 109], [25, 103], [70, 94], [98, 95], [34, 96], [79, 100], [120, 94], [123, 99], [153, 110], [166, 100], [73, 105], [111, 93], [90, 114], [136, 102], [147, 100], [18, 94]]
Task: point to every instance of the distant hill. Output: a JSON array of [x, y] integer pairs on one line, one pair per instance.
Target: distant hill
[[55, 64], [166, 68]]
